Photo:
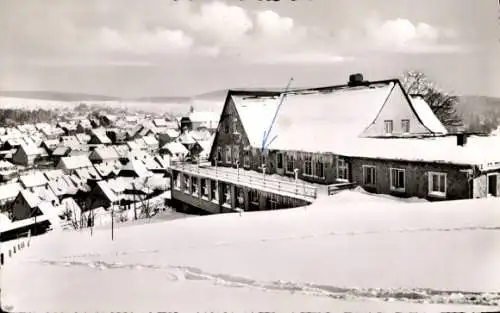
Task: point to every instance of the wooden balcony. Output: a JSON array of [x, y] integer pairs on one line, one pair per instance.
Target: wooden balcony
[[240, 177]]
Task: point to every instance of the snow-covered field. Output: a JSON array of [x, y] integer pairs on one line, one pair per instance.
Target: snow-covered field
[[347, 252]]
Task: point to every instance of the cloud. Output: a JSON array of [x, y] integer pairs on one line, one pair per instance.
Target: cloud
[[312, 57], [401, 35], [221, 22], [271, 23], [154, 42]]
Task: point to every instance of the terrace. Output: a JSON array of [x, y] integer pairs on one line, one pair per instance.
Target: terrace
[[285, 187]]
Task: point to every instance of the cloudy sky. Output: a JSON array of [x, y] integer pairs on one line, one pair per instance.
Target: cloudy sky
[[135, 48]]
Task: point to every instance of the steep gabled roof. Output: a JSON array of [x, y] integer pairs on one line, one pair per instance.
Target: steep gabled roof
[[33, 180], [312, 119]]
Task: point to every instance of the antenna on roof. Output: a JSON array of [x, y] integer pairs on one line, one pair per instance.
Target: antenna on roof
[[265, 137]]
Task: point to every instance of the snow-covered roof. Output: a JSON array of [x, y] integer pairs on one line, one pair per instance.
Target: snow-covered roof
[[108, 167], [75, 162], [60, 151], [30, 149], [62, 186], [309, 119], [31, 199], [159, 122], [51, 143], [150, 140], [428, 118], [481, 151], [70, 141], [9, 190], [53, 174], [45, 193], [104, 153], [6, 165], [136, 166], [101, 137], [87, 173], [33, 180], [172, 133], [186, 138], [175, 147], [82, 138], [133, 145]]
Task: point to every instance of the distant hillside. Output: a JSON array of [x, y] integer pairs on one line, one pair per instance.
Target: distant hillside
[[479, 113], [212, 95], [165, 99], [55, 95]]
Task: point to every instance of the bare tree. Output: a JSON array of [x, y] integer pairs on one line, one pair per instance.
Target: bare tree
[[441, 103]]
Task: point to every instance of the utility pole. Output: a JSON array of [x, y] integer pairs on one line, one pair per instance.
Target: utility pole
[[112, 221], [238, 170], [135, 204]]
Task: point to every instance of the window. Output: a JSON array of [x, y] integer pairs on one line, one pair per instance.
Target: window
[[226, 191], [228, 154], [319, 168], [492, 184], [204, 188], [369, 177], [437, 184], [397, 179], [177, 181], [213, 191], [236, 154], [289, 163], [342, 169], [405, 126], [186, 183], [246, 158], [308, 165], [219, 154], [388, 126], [279, 160], [254, 196], [194, 185], [234, 128]]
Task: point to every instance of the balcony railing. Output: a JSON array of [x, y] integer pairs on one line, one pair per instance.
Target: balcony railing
[[253, 180]]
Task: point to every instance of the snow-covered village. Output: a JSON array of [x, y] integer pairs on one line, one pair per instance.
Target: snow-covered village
[[247, 157]]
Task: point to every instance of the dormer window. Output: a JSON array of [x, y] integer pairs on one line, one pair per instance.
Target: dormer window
[[405, 126], [388, 126]]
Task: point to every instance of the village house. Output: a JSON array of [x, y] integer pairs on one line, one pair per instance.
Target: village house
[[69, 128], [359, 133], [71, 142], [167, 136], [175, 150], [104, 154], [26, 205], [84, 126], [117, 136], [8, 193], [83, 138], [98, 137], [26, 155], [70, 165], [151, 143], [50, 145], [8, 171], [30, 181]]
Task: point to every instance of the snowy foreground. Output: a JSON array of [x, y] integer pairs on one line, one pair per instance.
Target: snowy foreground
[[349, 252]]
